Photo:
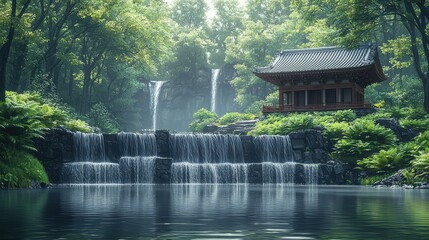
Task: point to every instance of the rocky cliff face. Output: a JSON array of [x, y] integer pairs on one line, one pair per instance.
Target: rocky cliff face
[[187, 93]]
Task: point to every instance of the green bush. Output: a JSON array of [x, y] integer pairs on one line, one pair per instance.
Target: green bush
[[344, 115], [283, 125], [335, 131], [419, 125], [389, 160], [369, 180], [421, 162], [233, 117], [361, 140], [202, 118], [296, 122], [100, 117], [19, 169]]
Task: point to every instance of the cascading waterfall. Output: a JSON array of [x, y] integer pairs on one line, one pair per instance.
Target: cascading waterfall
[[207, 158], [278, 172], [311, 172], [88, 147], [206, 148], [136, 166], [214, 80], [137, 169], [137, 144], [276, 149], [185, 172], [155, 90], [89, 164], [276, 153], [90, 172]]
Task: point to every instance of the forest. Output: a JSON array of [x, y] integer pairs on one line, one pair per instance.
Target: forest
[[87, 64]]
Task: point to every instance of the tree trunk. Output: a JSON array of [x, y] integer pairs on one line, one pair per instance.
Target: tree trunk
[[5, 48]]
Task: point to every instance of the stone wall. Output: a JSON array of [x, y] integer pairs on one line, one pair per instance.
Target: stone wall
[[309, 146]]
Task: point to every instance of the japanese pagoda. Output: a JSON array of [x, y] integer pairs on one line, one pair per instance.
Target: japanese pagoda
[[318, 79]]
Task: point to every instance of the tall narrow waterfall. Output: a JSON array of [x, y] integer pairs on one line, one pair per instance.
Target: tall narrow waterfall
[[214, 79], [136, 144], [155, 90]]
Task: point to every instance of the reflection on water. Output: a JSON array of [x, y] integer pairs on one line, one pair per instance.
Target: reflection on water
[[214, 212]]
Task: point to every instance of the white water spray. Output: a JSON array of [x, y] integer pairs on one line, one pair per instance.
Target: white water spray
[[155, 90], [215, 75]]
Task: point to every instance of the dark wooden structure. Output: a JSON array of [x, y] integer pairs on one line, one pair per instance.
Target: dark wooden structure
[[328, 78]]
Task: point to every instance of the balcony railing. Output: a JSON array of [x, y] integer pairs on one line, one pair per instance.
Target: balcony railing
[[318, 107]]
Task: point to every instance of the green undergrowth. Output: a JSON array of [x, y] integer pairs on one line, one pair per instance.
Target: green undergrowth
[[19, 169], [370, 180], [24, 117], [358, 141], [204, 117]]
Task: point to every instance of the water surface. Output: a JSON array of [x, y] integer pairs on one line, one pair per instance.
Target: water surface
[[214, 212]]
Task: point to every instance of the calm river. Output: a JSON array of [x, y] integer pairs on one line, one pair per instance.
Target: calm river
[[214, 212]]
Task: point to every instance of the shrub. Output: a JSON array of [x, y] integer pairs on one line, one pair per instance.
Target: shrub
[[362, 139], [202, 118], [100, 117], [296, 122], [419, 125], [233, 117], [369, 180], [335, 131], [344, 115], [421, 162], [385, 161], [19, 169]]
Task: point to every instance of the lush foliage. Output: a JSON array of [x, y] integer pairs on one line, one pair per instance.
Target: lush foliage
[[233, 117], [202, 118], [283, 125], [99, 116], [25, 116], [19, 169], [362, 139]]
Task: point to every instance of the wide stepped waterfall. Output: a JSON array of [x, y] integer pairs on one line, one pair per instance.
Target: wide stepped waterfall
[[278, 164], [207, 158], [195, 158], [90, 166]]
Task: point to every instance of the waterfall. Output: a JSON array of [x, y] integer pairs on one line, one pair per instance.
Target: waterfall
[[207, 158], [206, 148], [215, 75], [90, 164], [155, 90], [311, 172], [276, 149], [278, 172], [137, 169], [185, 172], [137, 144], [90, 172], [88, 147]]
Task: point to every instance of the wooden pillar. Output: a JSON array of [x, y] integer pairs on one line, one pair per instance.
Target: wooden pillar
[[324, 97], [338, 96], [293, 98], [280, 97], [306, 97]]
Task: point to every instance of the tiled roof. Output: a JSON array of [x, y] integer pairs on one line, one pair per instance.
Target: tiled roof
[[320, 59]]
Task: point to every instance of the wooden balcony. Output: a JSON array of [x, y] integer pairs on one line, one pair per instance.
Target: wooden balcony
[[318, 107]]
